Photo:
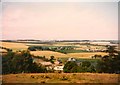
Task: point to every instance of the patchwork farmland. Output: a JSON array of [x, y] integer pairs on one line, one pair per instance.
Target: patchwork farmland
[[78, 52], [60, 53]]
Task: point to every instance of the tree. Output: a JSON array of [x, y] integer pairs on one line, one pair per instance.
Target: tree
[[52, 59], [6, 62], [71, 67], [92, 69], [111, 50], [86, 64], [32, 48]]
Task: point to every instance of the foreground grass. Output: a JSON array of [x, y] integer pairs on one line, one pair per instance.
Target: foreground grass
[[60, 78]]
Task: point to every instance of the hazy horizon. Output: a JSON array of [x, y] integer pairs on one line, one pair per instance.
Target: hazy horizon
[[60, 21]]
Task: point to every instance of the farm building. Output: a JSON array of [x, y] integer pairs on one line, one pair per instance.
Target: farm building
[[46, 63], [59, 68], [71, 59]]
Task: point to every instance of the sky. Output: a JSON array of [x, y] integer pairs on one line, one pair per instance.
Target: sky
[[60, 20]]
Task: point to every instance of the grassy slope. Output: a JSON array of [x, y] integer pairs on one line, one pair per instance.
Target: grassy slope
[[61, 78]]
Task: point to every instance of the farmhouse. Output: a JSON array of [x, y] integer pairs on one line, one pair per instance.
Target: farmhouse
[[46, 63], [59, 68], [71, 59]]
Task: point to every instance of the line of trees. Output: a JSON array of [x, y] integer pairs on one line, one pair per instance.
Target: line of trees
[[61, 49]]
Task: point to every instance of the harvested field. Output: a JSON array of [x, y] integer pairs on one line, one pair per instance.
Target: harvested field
[[86, 55], [47, 54], [83, 47], [14, 46], [60, 78]]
